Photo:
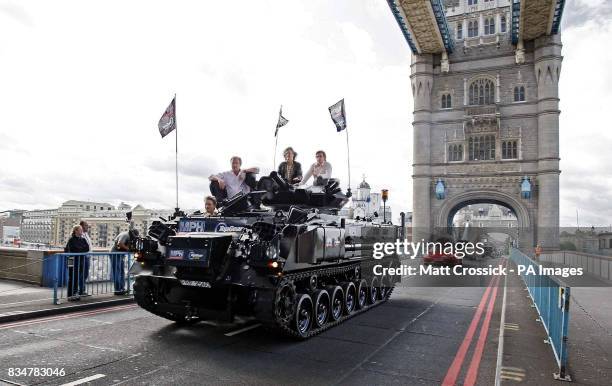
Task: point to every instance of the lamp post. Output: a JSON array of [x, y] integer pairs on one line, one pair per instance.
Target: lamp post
[[385, 196]]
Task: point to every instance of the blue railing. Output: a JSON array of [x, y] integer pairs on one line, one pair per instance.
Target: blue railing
[[397, 13], [447, 38], [551, 298], [75, 275]]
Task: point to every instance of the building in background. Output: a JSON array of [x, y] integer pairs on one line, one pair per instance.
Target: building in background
[[365, 204], [590, 240], [485, 216], [9, 220], [38, 226], [71, 212]]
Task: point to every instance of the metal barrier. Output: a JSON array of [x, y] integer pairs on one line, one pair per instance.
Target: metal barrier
[[551, 298], [597, 265], [88, 274]]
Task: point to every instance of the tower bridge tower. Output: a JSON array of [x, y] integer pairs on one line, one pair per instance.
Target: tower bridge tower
[[484, 77]]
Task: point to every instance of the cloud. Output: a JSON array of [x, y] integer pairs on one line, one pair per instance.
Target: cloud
[[16, 12], [580, 12]]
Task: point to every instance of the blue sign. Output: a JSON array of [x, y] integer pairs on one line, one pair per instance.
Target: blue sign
[[440, 190], [526, 188]]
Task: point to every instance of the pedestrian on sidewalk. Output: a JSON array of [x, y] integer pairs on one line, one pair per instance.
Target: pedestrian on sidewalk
[[85, 227], [121, 244], [76, 264]]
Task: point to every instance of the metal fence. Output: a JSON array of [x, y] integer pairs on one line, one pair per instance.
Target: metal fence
[[77, 275], [597, 265], [551, 299]]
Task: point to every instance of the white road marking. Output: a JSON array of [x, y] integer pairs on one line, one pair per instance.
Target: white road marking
[[500, 341], [243, 330], [84, 380]]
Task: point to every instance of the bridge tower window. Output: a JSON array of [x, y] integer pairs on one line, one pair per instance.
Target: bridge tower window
[[446, 101], [482, 92], [489, 26], [459, 30], [510, 149], [481, 147], [519, 94], [472, 2], [455, 152], [502, 27], [473, 28]]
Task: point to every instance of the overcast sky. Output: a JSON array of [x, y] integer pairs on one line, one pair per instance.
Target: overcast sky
[[83, 84]]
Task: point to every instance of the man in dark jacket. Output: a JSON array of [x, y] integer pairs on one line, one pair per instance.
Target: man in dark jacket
[[76, 264]]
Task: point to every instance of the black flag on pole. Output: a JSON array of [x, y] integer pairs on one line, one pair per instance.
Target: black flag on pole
[[338, 115], [282, 121], [167, 123]]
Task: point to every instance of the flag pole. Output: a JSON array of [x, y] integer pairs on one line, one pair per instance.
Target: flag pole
[[176, 153], [276, 139], [275, 145], [348, 162]]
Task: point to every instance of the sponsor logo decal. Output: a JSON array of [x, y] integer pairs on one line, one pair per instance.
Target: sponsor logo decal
[[223, 227], [176, 254]]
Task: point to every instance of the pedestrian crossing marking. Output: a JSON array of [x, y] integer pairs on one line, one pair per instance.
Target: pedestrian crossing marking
[[513, 373], [511, 326]]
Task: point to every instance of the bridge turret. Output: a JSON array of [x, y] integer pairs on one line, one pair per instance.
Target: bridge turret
[[547, 65], [422, 84]]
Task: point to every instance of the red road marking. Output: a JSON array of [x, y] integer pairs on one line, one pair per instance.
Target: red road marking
[[472, 374], [453, 371], [66, 316]]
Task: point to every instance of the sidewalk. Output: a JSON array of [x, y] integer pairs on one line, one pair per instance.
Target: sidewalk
[[590, 336], [22, 300], [529, 360], [526, 358]]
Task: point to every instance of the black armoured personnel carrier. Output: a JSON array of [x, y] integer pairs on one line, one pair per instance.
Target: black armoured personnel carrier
[[280, 254]]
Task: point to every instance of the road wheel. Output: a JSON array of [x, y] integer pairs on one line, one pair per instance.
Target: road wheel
[[350, 297], [385, 287], [374, 290], [321, 307], [284, 302], [362, 294], [303, 315], [337, 301]]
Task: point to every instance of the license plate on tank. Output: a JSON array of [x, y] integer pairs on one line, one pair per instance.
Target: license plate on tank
[[195, 283]]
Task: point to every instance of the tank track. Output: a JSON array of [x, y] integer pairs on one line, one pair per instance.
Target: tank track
[[286, 329]]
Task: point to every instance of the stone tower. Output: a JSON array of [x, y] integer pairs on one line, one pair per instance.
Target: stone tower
[[486, 118]]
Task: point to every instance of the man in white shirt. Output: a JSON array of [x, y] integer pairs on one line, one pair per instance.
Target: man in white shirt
[[85, 227], [321, 168], [232, 182]]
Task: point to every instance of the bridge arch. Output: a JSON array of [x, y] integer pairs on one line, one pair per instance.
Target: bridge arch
[[524, 232]]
